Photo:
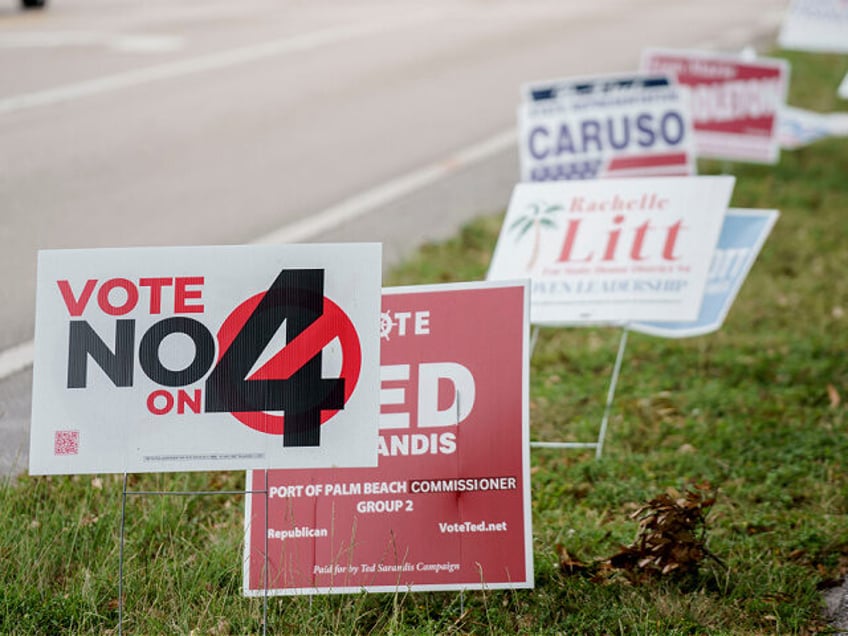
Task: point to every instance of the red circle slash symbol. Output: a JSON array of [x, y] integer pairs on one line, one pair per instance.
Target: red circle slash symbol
[[291, 380]]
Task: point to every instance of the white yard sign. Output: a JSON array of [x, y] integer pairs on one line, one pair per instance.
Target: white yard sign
[[613, 251], [606, 126], [816, 25], [206, 358]]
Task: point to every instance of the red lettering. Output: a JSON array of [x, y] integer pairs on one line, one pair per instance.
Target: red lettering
[[568, 244], [155, 285], [639, 241], [151, 402], [185, 400], [185, 291], [76, 305], [612, 241], [182, 294], [607, 249], [670, 240], [161, 402], [106, 303]]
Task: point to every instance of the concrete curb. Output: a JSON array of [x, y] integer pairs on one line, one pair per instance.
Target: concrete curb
[[836, 611]]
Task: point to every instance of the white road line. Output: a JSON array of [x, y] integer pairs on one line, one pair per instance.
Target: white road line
[[20, 357], [364, 202], [16, 359], [201, 64], [135, 43]]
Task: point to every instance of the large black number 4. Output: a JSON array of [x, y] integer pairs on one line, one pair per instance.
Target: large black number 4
[[296, 296]]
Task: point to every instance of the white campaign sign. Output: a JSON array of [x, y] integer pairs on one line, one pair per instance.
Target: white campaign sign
[[606, 126], [815, 25], [613, 251], [206, 358]]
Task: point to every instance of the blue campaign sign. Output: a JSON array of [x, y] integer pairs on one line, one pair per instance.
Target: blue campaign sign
[[742, 236], [799, 127]]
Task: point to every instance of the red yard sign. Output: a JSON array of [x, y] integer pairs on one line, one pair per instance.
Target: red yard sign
[[735, 102], [448, 506]]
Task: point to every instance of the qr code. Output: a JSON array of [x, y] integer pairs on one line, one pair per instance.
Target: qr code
[[66, 443]]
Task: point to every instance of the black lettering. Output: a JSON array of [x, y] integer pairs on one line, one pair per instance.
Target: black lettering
[[296, 296], [204, 351], [84, 342]]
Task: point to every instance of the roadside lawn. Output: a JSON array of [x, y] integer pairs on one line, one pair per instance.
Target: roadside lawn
[[755, 414]]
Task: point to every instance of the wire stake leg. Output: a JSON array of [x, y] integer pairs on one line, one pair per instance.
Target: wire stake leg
[[534, 337], [265, 568], [599, 449], [121, 558]]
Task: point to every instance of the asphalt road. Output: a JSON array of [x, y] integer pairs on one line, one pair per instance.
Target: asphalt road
[[219, 122]]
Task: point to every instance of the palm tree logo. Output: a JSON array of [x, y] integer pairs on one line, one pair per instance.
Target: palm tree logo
[[537, 218]]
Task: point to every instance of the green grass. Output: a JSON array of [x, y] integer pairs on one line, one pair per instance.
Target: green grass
[[748, 409]]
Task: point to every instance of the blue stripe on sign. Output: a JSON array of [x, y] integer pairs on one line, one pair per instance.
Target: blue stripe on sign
[[541, 94]]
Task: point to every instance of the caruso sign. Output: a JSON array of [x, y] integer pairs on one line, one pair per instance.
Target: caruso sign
[[605, 126]]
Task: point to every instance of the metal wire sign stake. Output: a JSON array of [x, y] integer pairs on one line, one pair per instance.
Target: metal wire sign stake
[[599, 445], [183, 493]]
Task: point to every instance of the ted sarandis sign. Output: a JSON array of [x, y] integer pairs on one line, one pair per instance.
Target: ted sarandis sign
[[448, 506], [612, 251], [205, 358]]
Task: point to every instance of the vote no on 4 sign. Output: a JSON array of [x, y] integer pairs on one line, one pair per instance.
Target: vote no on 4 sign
[[214, 358]]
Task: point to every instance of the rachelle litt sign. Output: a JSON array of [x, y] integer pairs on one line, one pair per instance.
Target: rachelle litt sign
[[205, 358], [448, 507], [612, 251]]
